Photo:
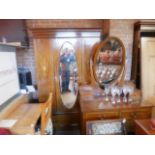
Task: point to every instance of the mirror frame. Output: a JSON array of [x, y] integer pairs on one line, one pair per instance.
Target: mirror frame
[[122, 72], [59, 52]]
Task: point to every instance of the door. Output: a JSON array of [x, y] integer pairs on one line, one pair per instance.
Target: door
[[148, 67]]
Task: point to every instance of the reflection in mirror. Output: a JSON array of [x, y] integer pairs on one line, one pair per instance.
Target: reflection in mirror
[[109, 61], [68, 74]]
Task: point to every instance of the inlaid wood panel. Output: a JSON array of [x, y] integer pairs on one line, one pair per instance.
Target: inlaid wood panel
[[43, 67]]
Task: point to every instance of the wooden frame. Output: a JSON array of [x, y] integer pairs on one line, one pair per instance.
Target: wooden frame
[[121, 75], [140, 70]]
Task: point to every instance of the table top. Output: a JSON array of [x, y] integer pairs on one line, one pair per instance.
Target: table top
[[26, 116], [92, 100], [145, 125]]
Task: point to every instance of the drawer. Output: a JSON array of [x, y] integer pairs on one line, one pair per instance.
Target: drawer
[[127, 114], [66, 122], [136, 114], [143, 114], [102, 115]]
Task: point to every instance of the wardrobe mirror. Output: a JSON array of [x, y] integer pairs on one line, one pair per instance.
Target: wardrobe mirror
[[109, 61], [68, 75]]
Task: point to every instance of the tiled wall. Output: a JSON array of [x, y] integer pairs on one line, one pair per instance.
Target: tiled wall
[[119, 28]]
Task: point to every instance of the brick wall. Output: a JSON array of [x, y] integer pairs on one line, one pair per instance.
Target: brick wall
[[26, 59], [119, 28], [123, 29]]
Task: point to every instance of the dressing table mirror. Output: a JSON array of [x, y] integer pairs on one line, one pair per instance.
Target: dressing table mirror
[[109, 62]]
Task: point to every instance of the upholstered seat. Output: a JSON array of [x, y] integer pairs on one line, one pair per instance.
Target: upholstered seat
[[106, 127], [4, 131]]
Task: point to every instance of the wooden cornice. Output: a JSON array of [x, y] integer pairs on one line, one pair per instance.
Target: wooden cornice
[[71, 32], [63, 33]]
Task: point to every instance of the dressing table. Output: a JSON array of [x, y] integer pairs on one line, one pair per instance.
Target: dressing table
[[108, 70], [94, 108]]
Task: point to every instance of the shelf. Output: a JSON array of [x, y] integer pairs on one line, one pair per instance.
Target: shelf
[[12, 45]]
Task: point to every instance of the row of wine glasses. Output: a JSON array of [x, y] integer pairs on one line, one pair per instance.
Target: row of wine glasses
[[118, 94]]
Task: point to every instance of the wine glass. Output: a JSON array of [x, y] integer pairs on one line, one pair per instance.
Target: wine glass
[[130, 91], [113, 93], [125, 92], [119, 92], [107, 91]]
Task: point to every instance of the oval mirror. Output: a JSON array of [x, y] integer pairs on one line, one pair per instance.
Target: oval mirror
[[109, 61], [68, 75]]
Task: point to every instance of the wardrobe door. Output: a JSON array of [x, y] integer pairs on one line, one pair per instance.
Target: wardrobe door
[[78, 67], [148, 67], [71, 61]]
